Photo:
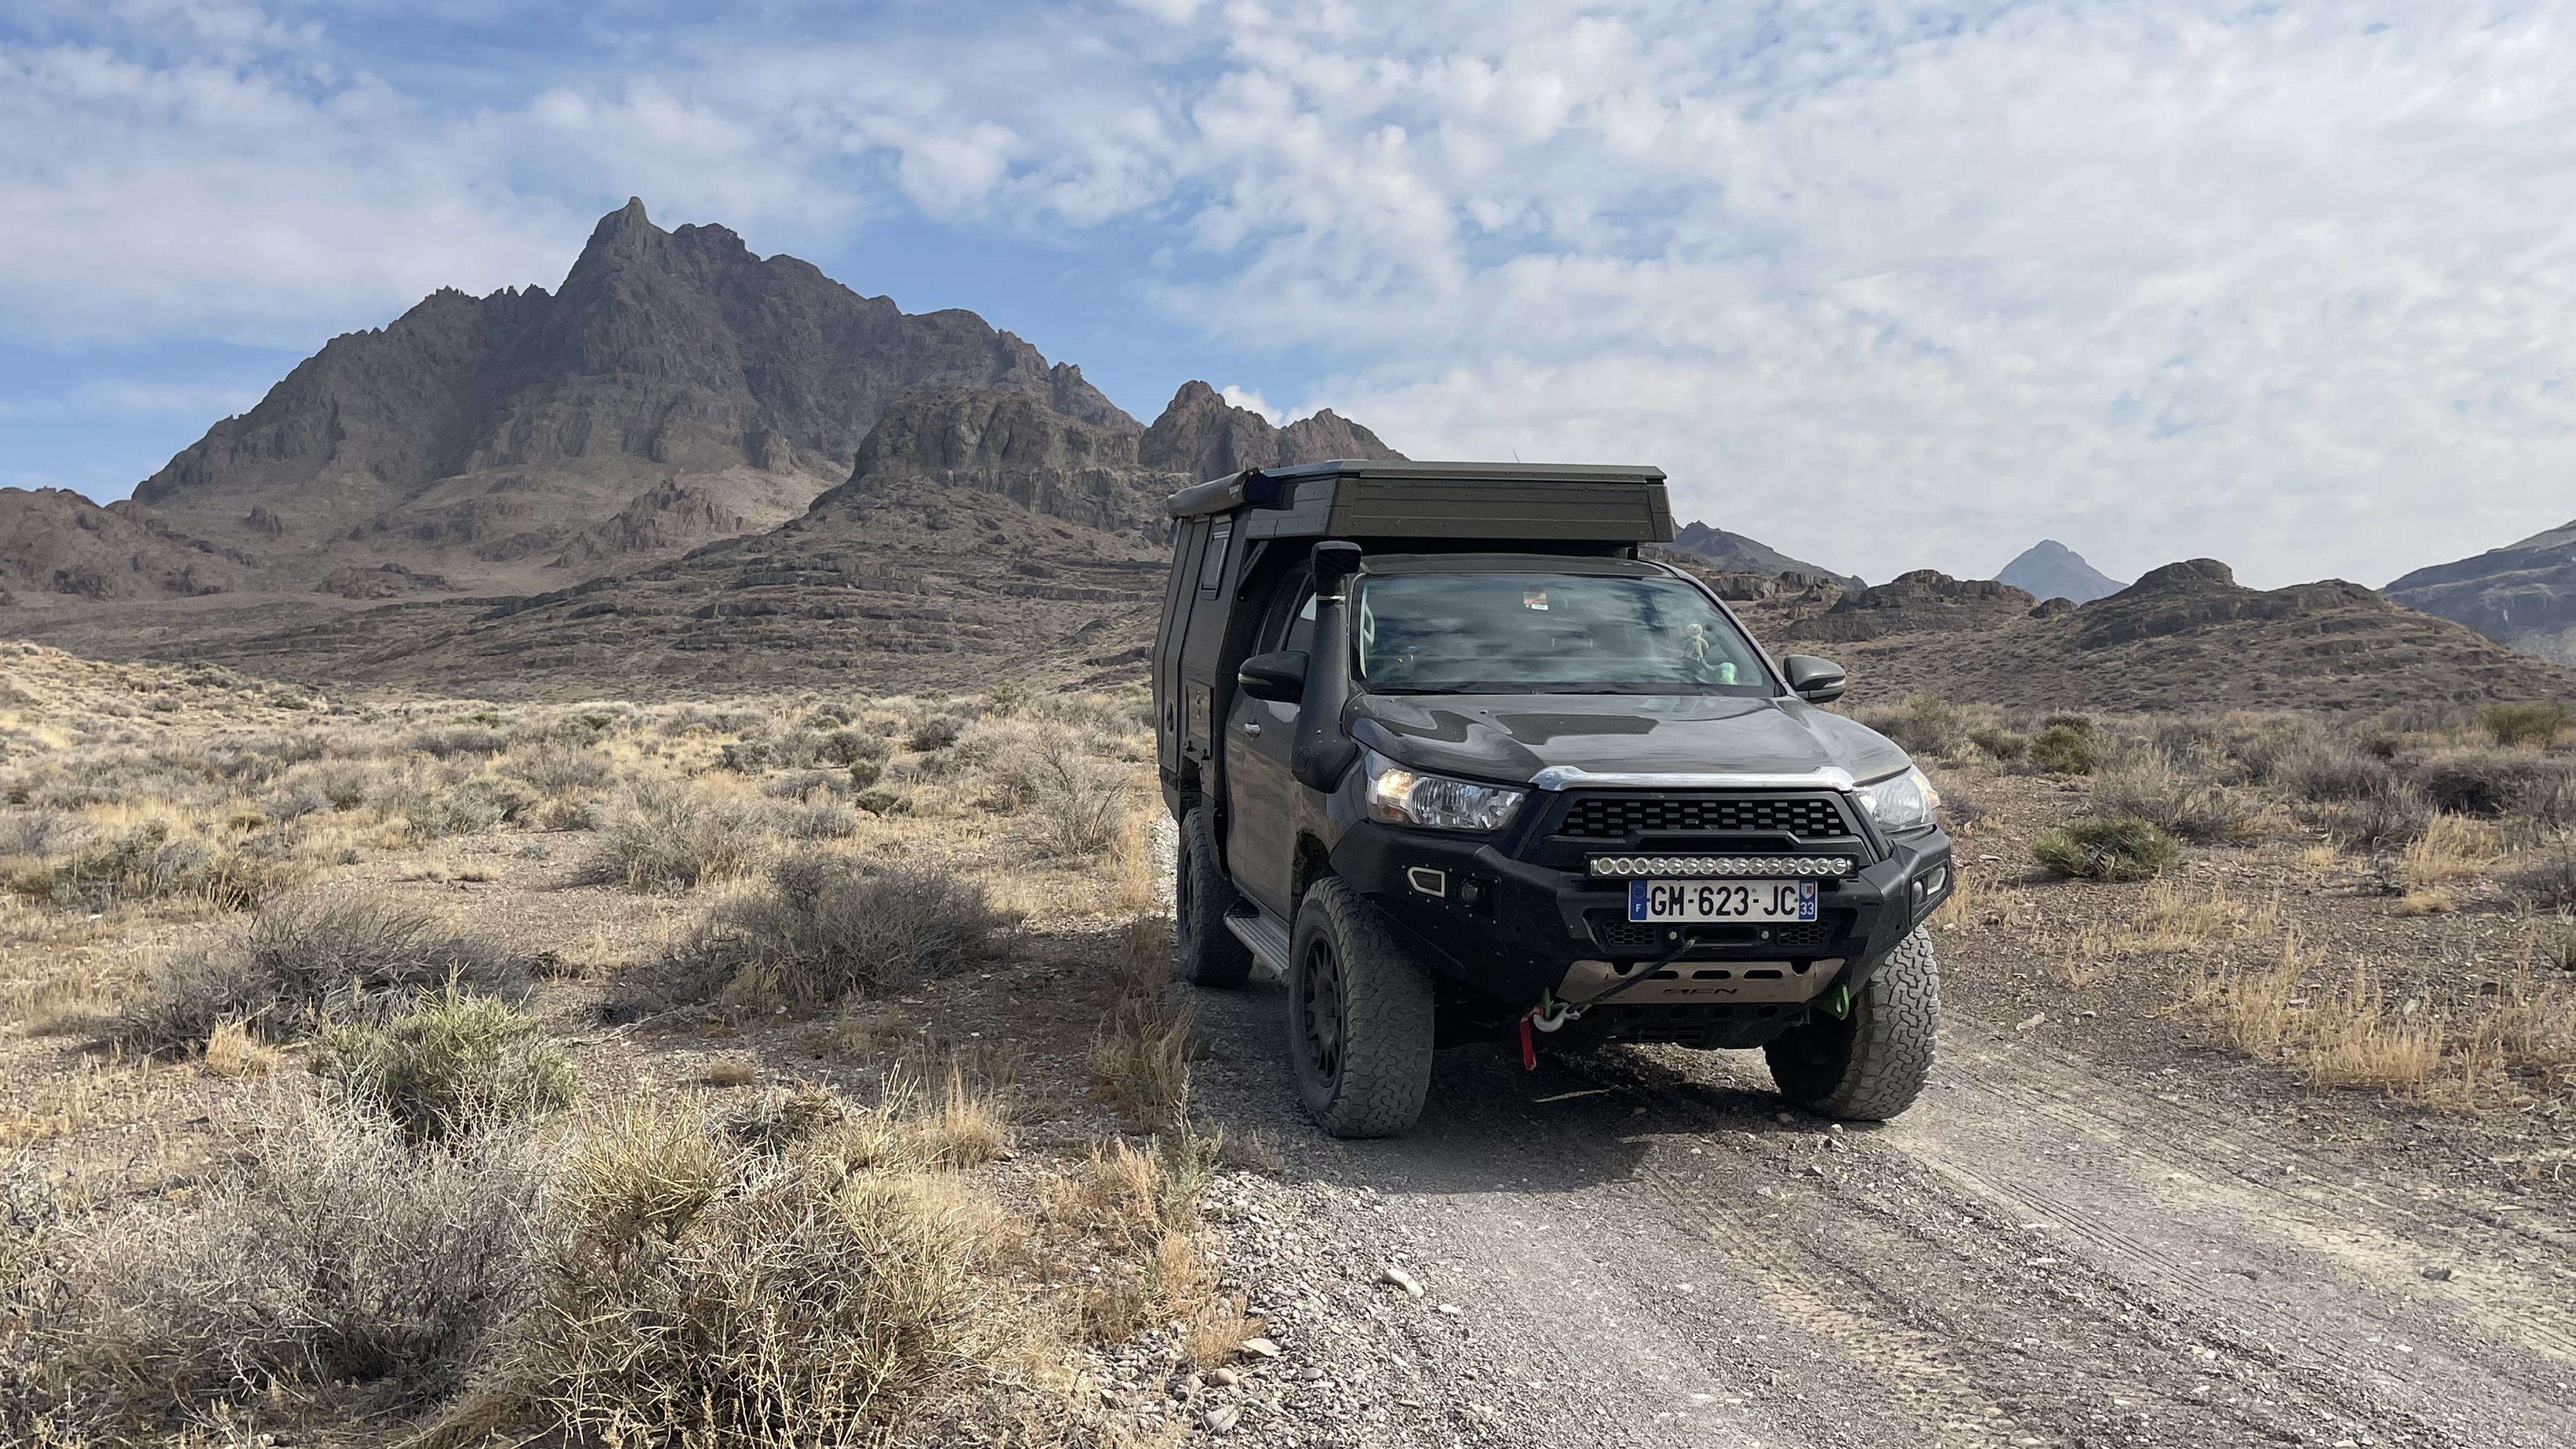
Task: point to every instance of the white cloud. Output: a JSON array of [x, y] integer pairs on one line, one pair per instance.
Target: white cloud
[[2288, 284], [1253, 402]]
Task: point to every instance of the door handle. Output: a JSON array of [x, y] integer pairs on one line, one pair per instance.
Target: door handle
[[1252, 726]]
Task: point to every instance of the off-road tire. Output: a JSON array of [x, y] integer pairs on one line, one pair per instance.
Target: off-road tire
[[1870, 1065], [1371, 1078], [1204, 952]]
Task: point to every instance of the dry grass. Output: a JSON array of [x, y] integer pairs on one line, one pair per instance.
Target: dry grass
[[1141, 1058], [730, 1072], [2452, 848], [2170, 918], [55, 1108], [2501, 1047], [232, 1051]]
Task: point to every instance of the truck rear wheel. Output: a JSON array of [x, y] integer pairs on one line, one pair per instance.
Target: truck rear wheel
[[1360, 1018], [1870, 1065], [1204, 952]]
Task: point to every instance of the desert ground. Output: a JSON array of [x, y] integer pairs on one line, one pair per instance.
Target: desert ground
[[803, 1070]]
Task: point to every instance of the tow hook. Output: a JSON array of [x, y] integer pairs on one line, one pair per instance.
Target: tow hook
[[1548, 1015], [1835, 1003]]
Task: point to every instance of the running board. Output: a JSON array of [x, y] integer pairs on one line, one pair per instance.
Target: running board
[[1264, 936]]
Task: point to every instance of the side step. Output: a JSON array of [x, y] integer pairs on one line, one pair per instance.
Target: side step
[[1267, 939]]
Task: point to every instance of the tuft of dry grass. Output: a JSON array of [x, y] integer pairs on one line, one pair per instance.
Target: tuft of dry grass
[[2452, 848], [232, 1051], [2353, 1039], [1141, 1058], [2170, 918], [2252, 1009], [729, 1072], [2430, 901]]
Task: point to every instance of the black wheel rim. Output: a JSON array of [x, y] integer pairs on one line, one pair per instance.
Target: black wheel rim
[[1319, 1012]]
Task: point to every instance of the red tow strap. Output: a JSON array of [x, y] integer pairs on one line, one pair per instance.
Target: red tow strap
[[1529, 1047]]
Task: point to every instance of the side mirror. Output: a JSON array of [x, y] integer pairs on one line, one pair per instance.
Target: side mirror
[[1279, 678], [1817, 681]]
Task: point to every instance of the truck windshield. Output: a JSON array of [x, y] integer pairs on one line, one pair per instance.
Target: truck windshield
[[1534, 633]]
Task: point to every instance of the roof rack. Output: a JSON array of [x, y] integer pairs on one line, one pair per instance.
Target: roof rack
[[1372, 499]]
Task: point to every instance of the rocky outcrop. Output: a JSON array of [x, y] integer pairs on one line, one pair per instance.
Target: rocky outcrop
[[501, 426], [1917, 602], [1736, 554], [2522, 595], [1203, 436], [670, 515], [2197, 593], [54, 542], [2050, 570]]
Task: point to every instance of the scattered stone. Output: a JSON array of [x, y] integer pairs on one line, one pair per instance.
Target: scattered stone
[[2438, 1275], [1411, 1285], [1261, 1346], [1223, 1418], [1224, 1378], [1451, 1309]]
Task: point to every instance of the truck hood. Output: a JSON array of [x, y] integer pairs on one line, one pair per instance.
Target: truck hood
[[1511, 737]]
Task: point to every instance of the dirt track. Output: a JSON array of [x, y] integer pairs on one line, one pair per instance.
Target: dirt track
[[2049, 1250]]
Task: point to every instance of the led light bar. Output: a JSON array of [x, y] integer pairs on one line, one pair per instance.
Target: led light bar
[[1623, 867]]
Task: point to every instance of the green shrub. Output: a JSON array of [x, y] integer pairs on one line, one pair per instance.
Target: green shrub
[[2000, 743], [935, 732], [2524, 724], [2066, 749], [851, 747], [1926, 724], [2110, 848], [448, 1065]]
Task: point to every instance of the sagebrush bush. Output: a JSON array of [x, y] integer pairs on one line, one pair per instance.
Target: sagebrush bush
[[2547, 882], [2108, 848], [1077, 803], [2524, 724], [450, 1064], [337, 1255], [2156, 792], [2066, 749], [2392, 816], [28, 832], [146, 864], [555, 768], [2000, 743], [2496, 782], [312, 960], [935, 732], [823, 927], [665, 838], [744, 1300]]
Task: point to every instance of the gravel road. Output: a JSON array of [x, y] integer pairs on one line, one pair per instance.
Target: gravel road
[[1642, 1248]]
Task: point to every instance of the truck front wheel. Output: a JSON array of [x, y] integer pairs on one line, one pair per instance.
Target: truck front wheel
[[1204, 952], [1360, 1018], [1870, 1065]]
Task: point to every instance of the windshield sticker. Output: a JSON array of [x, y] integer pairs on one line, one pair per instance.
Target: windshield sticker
[[1534, 599]]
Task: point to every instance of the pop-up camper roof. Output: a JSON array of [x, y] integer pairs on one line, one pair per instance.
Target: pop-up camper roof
[[1344, 499]]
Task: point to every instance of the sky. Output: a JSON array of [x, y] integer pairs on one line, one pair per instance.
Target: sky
[[1885, 285]]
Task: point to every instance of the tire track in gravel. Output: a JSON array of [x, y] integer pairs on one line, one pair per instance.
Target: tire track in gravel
[[1663, 1261]]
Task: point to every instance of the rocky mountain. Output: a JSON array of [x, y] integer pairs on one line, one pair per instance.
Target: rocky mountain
[[56, 542], [2050, 570], [2523, 594], [1736, 554], [2186, 636], [981, 534], [676, 388]]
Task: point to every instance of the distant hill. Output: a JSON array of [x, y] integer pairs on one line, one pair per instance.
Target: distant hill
[[2522, 595], [2185, 637], [981, 535], [56, 542], [1734, 553], [2050, 570]]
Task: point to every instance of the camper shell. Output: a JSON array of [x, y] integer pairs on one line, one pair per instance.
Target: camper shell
[[1264, 760]]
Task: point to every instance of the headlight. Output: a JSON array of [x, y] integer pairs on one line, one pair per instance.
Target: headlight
[[1408, 797], [1902, 802]]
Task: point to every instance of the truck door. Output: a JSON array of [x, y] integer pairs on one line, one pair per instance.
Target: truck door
[[1261, 814]]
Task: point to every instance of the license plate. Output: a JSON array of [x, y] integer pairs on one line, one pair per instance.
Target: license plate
[[1721, 900]]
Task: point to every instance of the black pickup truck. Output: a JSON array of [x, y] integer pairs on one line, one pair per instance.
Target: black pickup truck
[[1454, 760]]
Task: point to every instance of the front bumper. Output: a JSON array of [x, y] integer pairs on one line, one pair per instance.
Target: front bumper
[[1512, 930]]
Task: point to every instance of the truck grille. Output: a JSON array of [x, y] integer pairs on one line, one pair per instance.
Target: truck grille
[[1597, 817]]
